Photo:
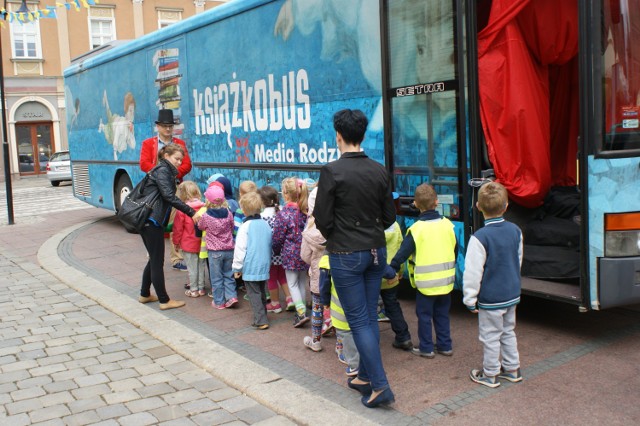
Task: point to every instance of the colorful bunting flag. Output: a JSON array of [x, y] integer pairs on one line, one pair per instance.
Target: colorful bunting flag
[[48, 12]]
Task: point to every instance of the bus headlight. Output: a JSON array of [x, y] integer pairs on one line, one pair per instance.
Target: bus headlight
[[622, 234]]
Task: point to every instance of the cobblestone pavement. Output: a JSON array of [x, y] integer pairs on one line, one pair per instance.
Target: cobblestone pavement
[[64, 359]]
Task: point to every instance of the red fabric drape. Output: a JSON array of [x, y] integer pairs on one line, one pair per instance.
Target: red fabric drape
[[528, 97]]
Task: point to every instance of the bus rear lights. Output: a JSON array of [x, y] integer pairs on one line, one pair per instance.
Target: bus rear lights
[[622, 235]]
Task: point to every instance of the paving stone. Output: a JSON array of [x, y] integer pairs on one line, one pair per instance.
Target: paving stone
[[29, 393], [121, 397], [57, 398], [33, 354], [87, 353], [121, 374], [159, 351], [208, 384], [275, 421], [48, 413], [155, 390], [145, 404], [222, 394], [114, 357], [90, 391], [113, 411], [91, 380], [182, 396], [69, 374], [169, 412], [215, 417], [126, 384], [161, 377], [81, 405], [254, 414], [20, 365], [24, 406], [60, 386], [138, 419], [85, 418], [103, 368], [21, 419], [237, 403], [35, 381], [199, 406]]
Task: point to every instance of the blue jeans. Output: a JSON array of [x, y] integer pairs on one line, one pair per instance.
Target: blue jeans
[[223, 286], [393, 310], [436, 309], [357, 278]]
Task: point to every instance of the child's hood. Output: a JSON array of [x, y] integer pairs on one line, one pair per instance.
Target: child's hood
[[195, 204], [219, 213]]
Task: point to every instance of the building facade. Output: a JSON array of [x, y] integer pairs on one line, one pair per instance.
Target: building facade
[[35, 54]]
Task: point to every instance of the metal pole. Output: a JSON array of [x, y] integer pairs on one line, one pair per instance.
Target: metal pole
[[5, 143]]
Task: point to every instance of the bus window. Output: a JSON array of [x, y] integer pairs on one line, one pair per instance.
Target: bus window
[[422, 98], [621, 67]]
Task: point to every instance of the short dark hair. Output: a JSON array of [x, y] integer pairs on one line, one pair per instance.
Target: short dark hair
[[351, 124]]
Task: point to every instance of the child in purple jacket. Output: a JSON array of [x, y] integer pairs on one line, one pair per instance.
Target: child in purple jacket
[[287, 239], [218, 224]]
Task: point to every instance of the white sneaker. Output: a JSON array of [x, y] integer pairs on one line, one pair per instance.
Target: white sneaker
[[314, 346]]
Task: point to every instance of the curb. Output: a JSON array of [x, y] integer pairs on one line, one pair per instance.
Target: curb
[[263, 385]]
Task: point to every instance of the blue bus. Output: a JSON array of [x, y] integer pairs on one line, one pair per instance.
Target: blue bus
[[542, 96]]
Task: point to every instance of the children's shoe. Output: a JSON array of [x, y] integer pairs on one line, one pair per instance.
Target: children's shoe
[[179, 266], [192, 293], [276, 309], [210, 294], [407, 345], [479, 377], [445, 353], [231, 302], [187, 286], [290, 305], [202, 292], [314, 346], [213, 304], [260, 326], [341, 358], [418, 352], [300, 320], [351, 372], [382, 317], [512, 376], [327, 327]]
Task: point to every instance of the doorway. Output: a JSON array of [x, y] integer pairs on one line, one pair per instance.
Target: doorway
[[34, 144]]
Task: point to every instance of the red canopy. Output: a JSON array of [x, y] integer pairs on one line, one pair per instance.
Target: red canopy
[[528, 76]]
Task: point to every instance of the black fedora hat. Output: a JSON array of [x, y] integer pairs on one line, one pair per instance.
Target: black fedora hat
[[165, 116]]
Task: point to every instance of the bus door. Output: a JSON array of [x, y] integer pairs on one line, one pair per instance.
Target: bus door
[[612, 151], [425, 130]]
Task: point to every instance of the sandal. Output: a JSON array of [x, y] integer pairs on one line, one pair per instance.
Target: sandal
[[202, 293], [192, 293]]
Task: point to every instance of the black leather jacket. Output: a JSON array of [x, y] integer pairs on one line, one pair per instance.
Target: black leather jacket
[[354, 204], [162, 178]]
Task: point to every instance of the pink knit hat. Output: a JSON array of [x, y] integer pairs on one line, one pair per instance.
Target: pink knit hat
[[214, 194]]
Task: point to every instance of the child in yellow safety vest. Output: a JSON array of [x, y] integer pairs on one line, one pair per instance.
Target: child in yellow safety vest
[[389, 293], [430, 246], [345, 345]]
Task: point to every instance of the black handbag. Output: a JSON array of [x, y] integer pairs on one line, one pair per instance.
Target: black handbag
[[137, 207]]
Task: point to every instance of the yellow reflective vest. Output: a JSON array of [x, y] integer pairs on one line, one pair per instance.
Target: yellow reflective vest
[[338, 319], [432, 268], [393, 236]]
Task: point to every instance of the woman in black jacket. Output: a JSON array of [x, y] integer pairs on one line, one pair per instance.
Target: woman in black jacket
[[162, 178]]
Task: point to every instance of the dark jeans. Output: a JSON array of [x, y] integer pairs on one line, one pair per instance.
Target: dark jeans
[[258, 299], [394, 312], [357, 278], [434, 308], [153, 238]]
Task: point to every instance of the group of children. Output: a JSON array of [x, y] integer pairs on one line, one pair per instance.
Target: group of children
[[260, 243]]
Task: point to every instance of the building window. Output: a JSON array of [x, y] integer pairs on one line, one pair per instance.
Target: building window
[[167, 17], [102, 26], [25, 38]]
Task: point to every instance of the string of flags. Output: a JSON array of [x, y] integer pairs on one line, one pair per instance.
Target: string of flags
[[47, 12]]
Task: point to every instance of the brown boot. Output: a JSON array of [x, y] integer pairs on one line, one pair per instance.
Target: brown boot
[[148, 299], [171, 304]]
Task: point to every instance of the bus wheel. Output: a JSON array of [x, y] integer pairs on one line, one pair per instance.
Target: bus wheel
[[123, 188]]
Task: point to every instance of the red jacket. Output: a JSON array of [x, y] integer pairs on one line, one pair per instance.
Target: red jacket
[[149, 156], [184, 233]]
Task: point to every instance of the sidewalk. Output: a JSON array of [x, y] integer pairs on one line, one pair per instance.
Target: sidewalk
[[71, 291]]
